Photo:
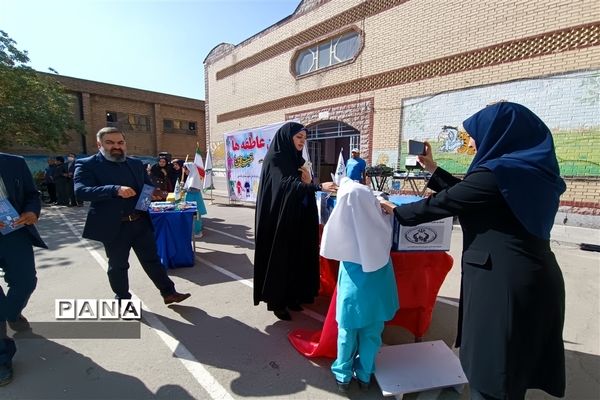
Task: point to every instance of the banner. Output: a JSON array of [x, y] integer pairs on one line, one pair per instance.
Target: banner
[[245, 152]]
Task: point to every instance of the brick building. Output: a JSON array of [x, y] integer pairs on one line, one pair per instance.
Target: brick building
[[152, 122], [373, 74]]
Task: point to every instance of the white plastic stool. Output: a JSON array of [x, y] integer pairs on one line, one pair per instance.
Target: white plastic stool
[[417, 367]]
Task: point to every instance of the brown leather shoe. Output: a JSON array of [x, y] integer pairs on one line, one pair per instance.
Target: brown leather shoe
[[20, 325], [175, 297]]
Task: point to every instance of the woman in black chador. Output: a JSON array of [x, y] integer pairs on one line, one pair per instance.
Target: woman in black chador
[[512, 298], [286, 256]]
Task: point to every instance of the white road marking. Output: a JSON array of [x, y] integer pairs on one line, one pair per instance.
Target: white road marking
[[229, 235], [214, 389], [249, 283]]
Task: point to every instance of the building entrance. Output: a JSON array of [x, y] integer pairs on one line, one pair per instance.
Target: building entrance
[[325, 141]]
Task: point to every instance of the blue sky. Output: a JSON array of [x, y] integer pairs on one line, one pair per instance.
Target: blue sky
[[156, 45]]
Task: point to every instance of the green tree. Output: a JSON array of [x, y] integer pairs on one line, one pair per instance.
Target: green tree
[[35, 110]]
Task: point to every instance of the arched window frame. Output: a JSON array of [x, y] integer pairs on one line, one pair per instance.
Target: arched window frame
[[315, 45]]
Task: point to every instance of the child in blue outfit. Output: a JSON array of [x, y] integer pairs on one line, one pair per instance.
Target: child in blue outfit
[[359, 235], [193, 187]]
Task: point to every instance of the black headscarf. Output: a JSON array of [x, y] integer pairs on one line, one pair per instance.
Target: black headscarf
[[286, 259], [517, 147]]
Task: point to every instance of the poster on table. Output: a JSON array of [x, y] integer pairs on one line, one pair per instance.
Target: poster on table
[[245, 151]]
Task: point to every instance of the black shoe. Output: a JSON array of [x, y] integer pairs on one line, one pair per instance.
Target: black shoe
[[342, 387], [20, 324], [363, 386], [283, 314], [6, 374], [175, 297], [295, 307]]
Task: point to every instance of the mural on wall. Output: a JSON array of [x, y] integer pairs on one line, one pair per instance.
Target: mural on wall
[[568, 103]]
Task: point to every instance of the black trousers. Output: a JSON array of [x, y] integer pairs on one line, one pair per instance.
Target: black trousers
[[138, 235], [17, 262]]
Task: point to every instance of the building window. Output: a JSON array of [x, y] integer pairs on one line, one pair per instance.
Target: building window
[[111, 118], [336, 50], [180, 126], [128, 122]]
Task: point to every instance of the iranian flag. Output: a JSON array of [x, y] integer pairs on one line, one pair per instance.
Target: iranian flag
[[198, 162]]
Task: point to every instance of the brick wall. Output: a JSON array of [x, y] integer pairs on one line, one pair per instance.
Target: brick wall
[[411, 48], [98, 98]]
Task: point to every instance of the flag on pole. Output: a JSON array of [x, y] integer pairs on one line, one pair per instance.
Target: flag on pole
[[197, 172], [198, 162], [306, 157], [177, 191], [208, 179], [193, 180], [340, 171]]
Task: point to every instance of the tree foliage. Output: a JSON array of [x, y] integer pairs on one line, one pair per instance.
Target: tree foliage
[[35, 110]]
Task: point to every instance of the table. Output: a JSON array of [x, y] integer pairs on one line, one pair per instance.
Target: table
[[412, 179], [173, 234], [419, 276]]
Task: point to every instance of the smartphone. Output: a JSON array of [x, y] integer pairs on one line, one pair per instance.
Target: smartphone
[[416, 148]]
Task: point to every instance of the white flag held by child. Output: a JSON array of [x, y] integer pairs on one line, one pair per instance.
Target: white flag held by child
[[340, 171], [208, 168]]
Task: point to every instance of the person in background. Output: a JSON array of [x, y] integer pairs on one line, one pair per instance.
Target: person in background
[[366, 288], [61, 179], [356, 167], [70, 173], [111, 181], [159, 173], [16, 254], [512, 300], [193, 192], [286, 255], [175, 172], [49, 180]]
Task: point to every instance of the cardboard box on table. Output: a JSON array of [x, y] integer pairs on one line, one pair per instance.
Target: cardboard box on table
[[430, 236]]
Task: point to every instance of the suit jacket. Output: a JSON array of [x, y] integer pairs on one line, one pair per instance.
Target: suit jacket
[[94, 182], [21, 191], [512, 292]]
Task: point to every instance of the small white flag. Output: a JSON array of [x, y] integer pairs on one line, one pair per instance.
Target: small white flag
[[307, 163], [340, 171], [177, 191], [208, 168]]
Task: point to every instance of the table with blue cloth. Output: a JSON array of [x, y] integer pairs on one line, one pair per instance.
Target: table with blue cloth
[[173, 234]]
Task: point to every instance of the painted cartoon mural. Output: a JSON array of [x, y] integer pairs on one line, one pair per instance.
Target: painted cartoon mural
[[569, 104]]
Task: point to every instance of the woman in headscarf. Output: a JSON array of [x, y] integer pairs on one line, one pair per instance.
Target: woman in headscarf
[[159, 174], [286, 255], [512, 301], [366, 287], [176, 173]]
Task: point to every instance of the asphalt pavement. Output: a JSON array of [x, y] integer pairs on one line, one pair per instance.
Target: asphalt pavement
[[217, 344]]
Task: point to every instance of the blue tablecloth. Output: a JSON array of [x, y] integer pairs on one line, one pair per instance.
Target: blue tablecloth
[[173, 234]]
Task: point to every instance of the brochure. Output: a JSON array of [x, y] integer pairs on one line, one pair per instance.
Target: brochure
[[8, 216], [145, 198]]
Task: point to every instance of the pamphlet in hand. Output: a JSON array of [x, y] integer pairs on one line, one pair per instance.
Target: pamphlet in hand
[[145, 198], [8, 216]]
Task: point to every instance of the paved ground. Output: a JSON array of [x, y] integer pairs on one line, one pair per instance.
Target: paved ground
[[217, 344]]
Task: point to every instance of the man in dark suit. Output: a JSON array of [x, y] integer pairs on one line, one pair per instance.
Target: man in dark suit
[[111, 181], [16, 253]]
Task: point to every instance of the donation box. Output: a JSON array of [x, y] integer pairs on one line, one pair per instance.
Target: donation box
[[430, 236]]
